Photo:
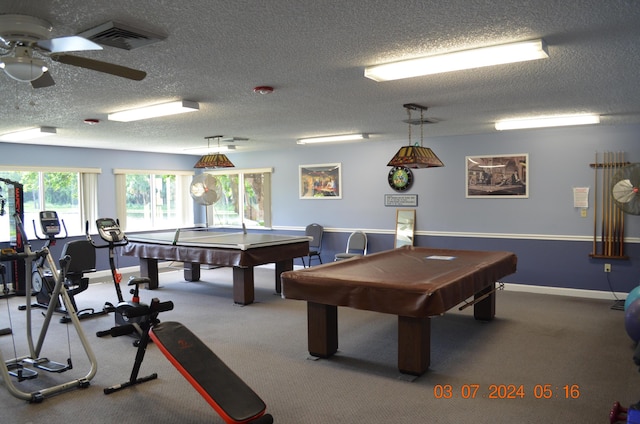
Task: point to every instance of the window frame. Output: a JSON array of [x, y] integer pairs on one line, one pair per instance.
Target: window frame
[[183, 180], [210, 211], [87, 191]]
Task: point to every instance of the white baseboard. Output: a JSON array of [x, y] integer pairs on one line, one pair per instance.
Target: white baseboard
[[560, 291]]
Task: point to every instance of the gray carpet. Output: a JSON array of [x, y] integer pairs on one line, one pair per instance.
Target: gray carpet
[[536, 340]]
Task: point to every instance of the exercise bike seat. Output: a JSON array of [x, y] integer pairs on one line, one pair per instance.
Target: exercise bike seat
[[227, 393], [134, 281]]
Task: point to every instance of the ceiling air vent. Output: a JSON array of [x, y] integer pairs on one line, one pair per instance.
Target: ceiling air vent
[[121, 36]]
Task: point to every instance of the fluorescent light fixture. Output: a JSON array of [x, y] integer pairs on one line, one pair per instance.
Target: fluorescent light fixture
[[333, 138], [155, 111], [456, 61], [547, 121], [28, 134]]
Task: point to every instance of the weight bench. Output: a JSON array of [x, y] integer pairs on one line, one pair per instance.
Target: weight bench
[[227, 394], [231, 397]]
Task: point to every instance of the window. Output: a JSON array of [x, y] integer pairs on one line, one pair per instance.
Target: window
[[153, 199], [50, 189], [245, 198]]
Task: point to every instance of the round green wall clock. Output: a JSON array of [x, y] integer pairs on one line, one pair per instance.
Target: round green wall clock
[[400, 178]]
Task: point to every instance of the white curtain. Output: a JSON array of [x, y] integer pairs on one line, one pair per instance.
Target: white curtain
[[121, 200], [89, 197]]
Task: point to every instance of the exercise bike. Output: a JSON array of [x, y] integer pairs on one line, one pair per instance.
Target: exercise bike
[[223, 390], [83, 260], [110, 232]]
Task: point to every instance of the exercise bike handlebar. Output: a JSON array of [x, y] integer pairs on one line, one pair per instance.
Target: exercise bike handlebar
[[110, 244], [52, 237]]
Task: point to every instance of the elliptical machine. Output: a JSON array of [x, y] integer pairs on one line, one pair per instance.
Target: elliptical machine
[[83, 260], [110, 232], [42, 281]]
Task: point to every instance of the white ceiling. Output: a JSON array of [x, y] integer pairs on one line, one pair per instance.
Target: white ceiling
[[313, 52]]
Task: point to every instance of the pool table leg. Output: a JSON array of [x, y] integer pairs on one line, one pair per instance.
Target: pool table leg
[[282, 266], [191, 271], [243, 285], [149, 268], [414, 345], [485, 309], [322, 329]]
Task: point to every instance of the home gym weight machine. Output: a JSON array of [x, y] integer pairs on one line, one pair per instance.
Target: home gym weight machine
[[15, 200], [16, 366]]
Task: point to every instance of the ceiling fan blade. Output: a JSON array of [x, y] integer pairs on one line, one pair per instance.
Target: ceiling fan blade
[[96, 65], [72, 43], [46, 80]]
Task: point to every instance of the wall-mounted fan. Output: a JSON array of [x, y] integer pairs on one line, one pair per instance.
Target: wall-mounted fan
[[625, 189], [25, 44], [205, 189]]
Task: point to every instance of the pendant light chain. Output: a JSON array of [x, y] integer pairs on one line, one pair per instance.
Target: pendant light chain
[[421, 126], [409, 120]]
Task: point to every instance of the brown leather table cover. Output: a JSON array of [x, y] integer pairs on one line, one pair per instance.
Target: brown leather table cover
[[400, 281], [216, 255]]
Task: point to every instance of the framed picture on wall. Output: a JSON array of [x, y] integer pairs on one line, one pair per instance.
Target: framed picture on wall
[[497, 176], [322, 181]]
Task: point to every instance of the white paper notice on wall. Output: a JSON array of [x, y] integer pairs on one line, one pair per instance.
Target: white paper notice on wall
[[581, 197]]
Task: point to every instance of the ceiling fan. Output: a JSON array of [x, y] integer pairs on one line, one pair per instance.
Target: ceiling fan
[[25, 44]]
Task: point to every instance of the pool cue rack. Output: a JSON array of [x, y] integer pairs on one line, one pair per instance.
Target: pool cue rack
[[611, 228]]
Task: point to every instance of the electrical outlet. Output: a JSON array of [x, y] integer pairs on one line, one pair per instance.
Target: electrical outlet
[[607, 267]]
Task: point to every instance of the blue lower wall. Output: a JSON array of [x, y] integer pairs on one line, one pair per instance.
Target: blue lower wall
[[548, 263]]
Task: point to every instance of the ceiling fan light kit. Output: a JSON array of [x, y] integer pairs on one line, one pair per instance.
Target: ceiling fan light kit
[[459, 60], [154, 111], [22, 66]]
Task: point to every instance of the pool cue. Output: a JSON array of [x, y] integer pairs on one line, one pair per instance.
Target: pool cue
[[609, 214], [604, 208], [614, 210], [595, 206], [500, 286], [620, 215], [606, 205]]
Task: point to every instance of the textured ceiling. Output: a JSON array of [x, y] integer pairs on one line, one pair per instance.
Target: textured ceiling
[[313, 52]]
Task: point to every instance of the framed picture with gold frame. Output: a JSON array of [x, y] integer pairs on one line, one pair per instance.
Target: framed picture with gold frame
[[321, 181], [494, 176]]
